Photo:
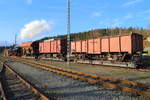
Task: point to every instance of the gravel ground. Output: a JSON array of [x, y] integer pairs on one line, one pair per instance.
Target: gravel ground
[[63, 88], [1, 98], [16, 90], [142, 77]]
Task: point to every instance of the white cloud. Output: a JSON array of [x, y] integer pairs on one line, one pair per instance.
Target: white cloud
[[128, 16], [96, 14], [131, 2], [148, 18], [111, 23], [29, 2], [34, 29], [146, 11]]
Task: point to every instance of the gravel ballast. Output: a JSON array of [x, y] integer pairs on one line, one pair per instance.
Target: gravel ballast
[[127, 74], [64, 88]]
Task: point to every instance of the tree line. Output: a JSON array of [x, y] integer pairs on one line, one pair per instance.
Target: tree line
[[102, 32]]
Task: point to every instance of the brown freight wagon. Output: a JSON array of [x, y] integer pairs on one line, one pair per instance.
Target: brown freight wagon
[[26, 44], [53, 48], [27, 48], [114, 47]]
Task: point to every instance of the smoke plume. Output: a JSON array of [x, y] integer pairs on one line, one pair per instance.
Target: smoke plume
[[34, 29]]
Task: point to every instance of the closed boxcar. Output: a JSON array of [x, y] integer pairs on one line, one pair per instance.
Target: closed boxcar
[[123, 43]]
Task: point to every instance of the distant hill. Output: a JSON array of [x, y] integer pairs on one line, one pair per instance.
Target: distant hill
[[103, 32]]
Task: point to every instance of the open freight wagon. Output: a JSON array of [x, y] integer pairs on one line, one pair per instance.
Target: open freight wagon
[[30, 48], [27, 48], [121, 48], [53, 48]]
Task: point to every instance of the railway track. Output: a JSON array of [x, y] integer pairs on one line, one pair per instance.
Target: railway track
[[15, 87], [109, 66], [123, 85], [120, 67]]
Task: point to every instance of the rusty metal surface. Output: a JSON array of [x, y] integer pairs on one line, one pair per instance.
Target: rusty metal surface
[[133, 87]]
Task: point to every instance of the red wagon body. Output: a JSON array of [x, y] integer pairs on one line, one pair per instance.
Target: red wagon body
[[53, 47], [26, 45], [123, 43]]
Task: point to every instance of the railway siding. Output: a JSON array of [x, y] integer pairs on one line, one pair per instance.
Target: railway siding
[[72, 74], [59, 86], [15, 87], [106, 78], [2, 94], [120, 73]]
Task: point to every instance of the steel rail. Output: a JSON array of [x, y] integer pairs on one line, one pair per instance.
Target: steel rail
[[77, 75], [27, 83], [135, 69], [1, 87], [109, 66], [2, 92], [106, 78]]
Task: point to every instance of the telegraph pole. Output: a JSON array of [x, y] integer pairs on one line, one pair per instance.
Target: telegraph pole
[[15, 39], [120, 31], [5, 44], [68, 33]]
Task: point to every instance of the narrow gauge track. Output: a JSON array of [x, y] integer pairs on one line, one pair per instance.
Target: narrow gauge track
[[123, 85], [15, 87], [109, 66]]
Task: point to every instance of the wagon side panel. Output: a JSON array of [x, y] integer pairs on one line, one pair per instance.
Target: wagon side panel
[[96, 44], [78, 47], [73, 47], [126, 44], [84, 46], [105, 45], [114, 44], [90, 46]]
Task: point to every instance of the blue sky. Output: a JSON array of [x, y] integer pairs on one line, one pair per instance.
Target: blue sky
[[86, 15]]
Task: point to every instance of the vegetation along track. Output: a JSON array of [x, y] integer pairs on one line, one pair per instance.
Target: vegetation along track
[[123, 85], [15, 87]]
